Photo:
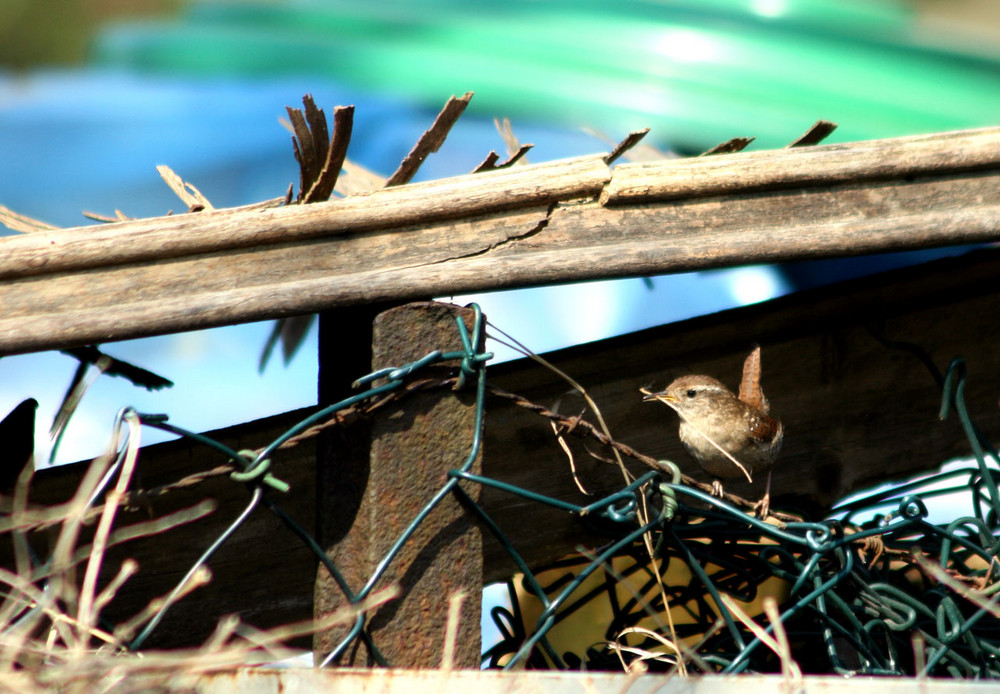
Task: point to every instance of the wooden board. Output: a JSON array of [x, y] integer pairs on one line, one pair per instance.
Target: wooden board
[[561, 221], [389, 681]]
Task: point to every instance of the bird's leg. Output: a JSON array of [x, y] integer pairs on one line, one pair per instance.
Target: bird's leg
[[717, 487], [763, 507]]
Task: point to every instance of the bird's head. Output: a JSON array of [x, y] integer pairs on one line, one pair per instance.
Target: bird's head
[[691, 394]]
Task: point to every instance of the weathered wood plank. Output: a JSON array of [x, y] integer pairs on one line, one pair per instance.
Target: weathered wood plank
[[160, 238], [389, 681], [238, 285], [856, 162], [466, 234], [784, 225]]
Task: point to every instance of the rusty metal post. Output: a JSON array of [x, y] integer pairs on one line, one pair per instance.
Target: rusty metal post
[[412, 449]]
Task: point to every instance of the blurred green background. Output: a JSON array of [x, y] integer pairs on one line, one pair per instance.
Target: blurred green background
[[95, 93], [36, 33]]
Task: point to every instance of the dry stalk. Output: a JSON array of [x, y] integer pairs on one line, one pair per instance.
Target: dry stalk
[[777, 643], [643, 512], [451, 631], [51, 633]]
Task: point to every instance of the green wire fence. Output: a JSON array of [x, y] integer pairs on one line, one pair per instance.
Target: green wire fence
[[868, 596]]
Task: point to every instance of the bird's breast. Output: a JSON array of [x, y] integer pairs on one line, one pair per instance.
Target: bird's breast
[[753, 452]]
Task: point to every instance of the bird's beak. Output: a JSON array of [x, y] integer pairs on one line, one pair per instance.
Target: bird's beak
[[662, 396]]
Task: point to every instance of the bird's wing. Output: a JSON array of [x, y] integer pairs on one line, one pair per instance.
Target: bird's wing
[[763, 429]]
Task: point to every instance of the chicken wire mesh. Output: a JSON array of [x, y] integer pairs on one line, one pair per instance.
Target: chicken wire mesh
[[685, 581]]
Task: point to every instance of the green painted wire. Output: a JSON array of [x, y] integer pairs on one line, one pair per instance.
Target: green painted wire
[[890, 609], [137, 642], [252, 466], [956, 398]]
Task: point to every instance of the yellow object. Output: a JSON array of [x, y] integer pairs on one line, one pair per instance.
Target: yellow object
[[625, 594]]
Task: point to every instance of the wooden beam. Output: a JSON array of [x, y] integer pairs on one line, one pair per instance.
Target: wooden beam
[[857, 162], [498, 229]]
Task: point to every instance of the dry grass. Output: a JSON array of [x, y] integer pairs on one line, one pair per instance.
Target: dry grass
[[52, 636]]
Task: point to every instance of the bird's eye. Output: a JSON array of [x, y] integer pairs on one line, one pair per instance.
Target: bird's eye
[[691, 393]]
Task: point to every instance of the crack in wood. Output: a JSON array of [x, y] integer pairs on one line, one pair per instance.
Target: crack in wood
[[510, 240]]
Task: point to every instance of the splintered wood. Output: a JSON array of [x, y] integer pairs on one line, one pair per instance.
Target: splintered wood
[[561, 221]]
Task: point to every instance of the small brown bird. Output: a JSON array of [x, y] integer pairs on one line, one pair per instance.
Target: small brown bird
[[728, 436]]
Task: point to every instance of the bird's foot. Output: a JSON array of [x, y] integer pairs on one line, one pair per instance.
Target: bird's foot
[[717, 488], [762, 508]]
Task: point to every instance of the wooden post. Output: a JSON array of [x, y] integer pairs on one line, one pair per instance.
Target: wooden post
[[367, 507]]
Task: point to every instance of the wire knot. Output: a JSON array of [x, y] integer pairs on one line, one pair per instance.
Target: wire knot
[[667, 494], [472, 360], [570, 424], [257, 470]]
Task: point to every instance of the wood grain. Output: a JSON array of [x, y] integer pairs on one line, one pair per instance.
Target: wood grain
[[497, 229], [803, 166], [390, 209]]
